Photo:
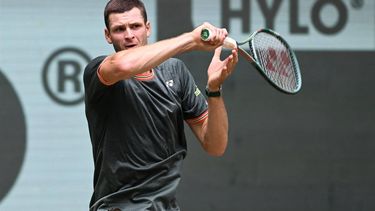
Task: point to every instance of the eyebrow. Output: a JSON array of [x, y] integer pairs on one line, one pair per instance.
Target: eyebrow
[[129, 23]]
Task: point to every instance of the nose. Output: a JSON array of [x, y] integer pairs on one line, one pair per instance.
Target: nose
[[129, 34]]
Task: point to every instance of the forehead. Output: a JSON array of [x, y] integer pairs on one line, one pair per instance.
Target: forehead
[[132, 16]]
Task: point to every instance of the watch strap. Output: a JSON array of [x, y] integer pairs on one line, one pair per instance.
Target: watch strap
[[213, 94]]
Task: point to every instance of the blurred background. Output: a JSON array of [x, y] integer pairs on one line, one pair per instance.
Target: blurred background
[[310, 151]]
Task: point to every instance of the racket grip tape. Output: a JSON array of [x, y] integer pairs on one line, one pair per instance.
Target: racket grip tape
[[229, 43]]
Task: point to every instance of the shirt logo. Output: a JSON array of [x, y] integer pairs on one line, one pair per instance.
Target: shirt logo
[[169, 83], [197, 91]]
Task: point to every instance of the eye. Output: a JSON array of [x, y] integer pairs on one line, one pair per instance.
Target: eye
[[118, 29], [135, 26]]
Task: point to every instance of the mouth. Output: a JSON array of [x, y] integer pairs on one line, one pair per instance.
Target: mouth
[[128, 46]]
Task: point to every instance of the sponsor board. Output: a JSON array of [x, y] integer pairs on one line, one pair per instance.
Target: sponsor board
[[307, 25]]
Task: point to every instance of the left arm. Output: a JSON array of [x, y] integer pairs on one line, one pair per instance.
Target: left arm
[[213, 132]]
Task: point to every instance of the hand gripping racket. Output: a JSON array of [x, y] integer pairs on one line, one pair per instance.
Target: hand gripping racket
[[271, 55]]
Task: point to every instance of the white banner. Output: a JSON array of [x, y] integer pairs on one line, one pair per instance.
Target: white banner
[[305, 24]]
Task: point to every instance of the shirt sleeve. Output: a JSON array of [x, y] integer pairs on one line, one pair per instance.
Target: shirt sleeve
[[194, 104], [94, 88]]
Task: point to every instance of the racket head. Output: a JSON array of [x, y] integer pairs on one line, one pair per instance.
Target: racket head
[[275, 59]]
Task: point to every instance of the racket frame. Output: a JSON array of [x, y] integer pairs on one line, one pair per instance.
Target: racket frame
[[253, 59]]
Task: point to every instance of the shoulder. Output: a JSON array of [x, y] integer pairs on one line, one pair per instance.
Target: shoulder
[[174, 66], [173, 63], [94, 64], [92, 67]]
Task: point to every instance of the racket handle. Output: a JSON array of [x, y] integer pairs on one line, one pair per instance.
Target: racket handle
[[228, 42]]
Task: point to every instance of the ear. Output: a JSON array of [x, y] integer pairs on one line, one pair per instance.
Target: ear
[[148, 28], [107, 36]]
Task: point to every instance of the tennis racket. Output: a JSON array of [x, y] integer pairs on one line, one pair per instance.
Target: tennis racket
[[271, 55]]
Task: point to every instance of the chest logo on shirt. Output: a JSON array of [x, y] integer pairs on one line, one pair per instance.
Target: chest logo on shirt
[[169, 83]]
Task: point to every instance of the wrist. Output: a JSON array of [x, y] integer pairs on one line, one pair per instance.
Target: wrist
[[213, 88], [187, 42], [212, 92]]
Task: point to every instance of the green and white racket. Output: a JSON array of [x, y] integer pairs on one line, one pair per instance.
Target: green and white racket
[[271, 55]]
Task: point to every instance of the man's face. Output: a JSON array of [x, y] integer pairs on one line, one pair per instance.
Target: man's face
[[127, 30]]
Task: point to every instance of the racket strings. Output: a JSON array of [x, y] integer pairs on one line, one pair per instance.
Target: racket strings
[[276, 61]]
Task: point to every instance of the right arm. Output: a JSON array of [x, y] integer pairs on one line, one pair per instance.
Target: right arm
[[127, 63]]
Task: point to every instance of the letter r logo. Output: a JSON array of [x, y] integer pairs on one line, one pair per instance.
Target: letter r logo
[[62, 76]]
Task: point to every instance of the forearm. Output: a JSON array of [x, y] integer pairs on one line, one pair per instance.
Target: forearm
[[134, 61], [127, 63], [215, 130]]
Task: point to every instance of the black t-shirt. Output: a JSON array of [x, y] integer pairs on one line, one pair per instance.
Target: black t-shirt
[[137, 132]]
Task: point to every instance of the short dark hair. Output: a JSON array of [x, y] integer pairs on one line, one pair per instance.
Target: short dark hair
[[120, 6]]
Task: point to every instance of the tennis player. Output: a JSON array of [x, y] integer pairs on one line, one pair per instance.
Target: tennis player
[[137, 100]]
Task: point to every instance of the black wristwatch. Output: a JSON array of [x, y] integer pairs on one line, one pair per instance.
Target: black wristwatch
[[213, 94]]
